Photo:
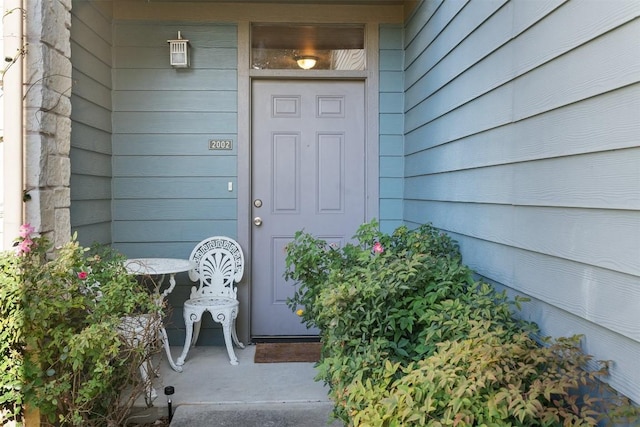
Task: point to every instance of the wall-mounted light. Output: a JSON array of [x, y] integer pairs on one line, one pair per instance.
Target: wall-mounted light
[[306, 62], [179, 52]]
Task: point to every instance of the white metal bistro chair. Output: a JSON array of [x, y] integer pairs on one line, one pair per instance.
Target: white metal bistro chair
[[219, 265]]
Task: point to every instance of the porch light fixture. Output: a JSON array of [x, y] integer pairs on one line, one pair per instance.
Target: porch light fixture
[[179, 52], [306, 62]]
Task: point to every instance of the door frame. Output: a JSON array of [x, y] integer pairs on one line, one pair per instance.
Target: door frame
[[245, 77]]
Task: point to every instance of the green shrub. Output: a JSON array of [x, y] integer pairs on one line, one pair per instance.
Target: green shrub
[[11, 339], [410, 338], [63, 353]]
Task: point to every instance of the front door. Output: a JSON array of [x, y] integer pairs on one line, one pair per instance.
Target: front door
[[308, 173]]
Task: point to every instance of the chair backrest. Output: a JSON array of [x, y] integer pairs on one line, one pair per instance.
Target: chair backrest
[[219, 266]]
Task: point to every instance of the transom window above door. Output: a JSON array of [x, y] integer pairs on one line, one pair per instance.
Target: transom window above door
[[318, 47]]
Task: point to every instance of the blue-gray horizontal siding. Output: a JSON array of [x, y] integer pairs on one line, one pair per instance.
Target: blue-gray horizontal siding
[[90, 153], [391, 107], [522, 140], [169, 190]]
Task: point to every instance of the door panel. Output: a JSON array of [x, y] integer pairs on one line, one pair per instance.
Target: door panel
[[308, 152]]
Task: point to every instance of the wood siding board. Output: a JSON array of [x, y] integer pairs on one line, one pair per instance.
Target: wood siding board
[[173, 188], [528, 13], [151, 34], [440, 91], [391, 209], [571, 286], [391, 123], [391, 188], [209, 101], [389, 225], [87, 63], [596, 341], [169, 122], [391, 145], [487, 112], [91, 212], [91, 90], [391, 60], [161, 231], [90, 153], [604, 180], [391, 37], [258, 11], [169, 188], [171, 144], [524, 146], [170, 79], [93, 115], [455, 49], [91, 234], [390, 128], [90, 163], [89, 187], [624, 374], [88, 138], [166, 249], [391, 103], [541, 43], [142, 57], [172, 166], [567, 131], [86, 37], [99, 19], [568, 80], [390, 81], [513, 59], [391, 166], [423, 25], [467, 46], [606, 239], [173, 210]]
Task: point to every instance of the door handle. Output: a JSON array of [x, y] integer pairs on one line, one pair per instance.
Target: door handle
[[257, 221]]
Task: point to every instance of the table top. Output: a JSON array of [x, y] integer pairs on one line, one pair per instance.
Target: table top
[[158, 266]]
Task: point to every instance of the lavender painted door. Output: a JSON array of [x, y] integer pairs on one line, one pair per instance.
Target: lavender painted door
[[308, 172]]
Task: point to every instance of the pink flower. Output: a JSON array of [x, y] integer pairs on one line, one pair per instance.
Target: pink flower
[[24, 247], [377, 248], [82, 275], [25, 230]]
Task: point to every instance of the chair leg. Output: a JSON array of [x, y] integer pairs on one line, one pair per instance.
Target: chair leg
[[188, 323], [196, 332], [226, 329], [234, 335]]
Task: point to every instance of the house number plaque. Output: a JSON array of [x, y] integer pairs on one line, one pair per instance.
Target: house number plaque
[[221, 144]]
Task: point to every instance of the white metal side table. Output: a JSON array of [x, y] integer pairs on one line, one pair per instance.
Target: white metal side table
[[161, 267]]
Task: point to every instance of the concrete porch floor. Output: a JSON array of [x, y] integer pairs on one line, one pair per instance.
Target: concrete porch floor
[[212, 392]]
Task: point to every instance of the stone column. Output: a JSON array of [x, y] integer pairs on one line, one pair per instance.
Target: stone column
[[48, 117]]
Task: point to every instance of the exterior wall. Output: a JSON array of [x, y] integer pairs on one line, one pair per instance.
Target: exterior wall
[[522, 141], [391, 127], [169, 190], [91, 47], [47, 124]]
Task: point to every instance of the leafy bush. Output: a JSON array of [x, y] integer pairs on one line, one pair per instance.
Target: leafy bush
[[410, 338], [62, 349]]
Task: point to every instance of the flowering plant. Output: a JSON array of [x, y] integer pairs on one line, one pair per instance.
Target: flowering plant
[[62, 350], [411, 339]]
